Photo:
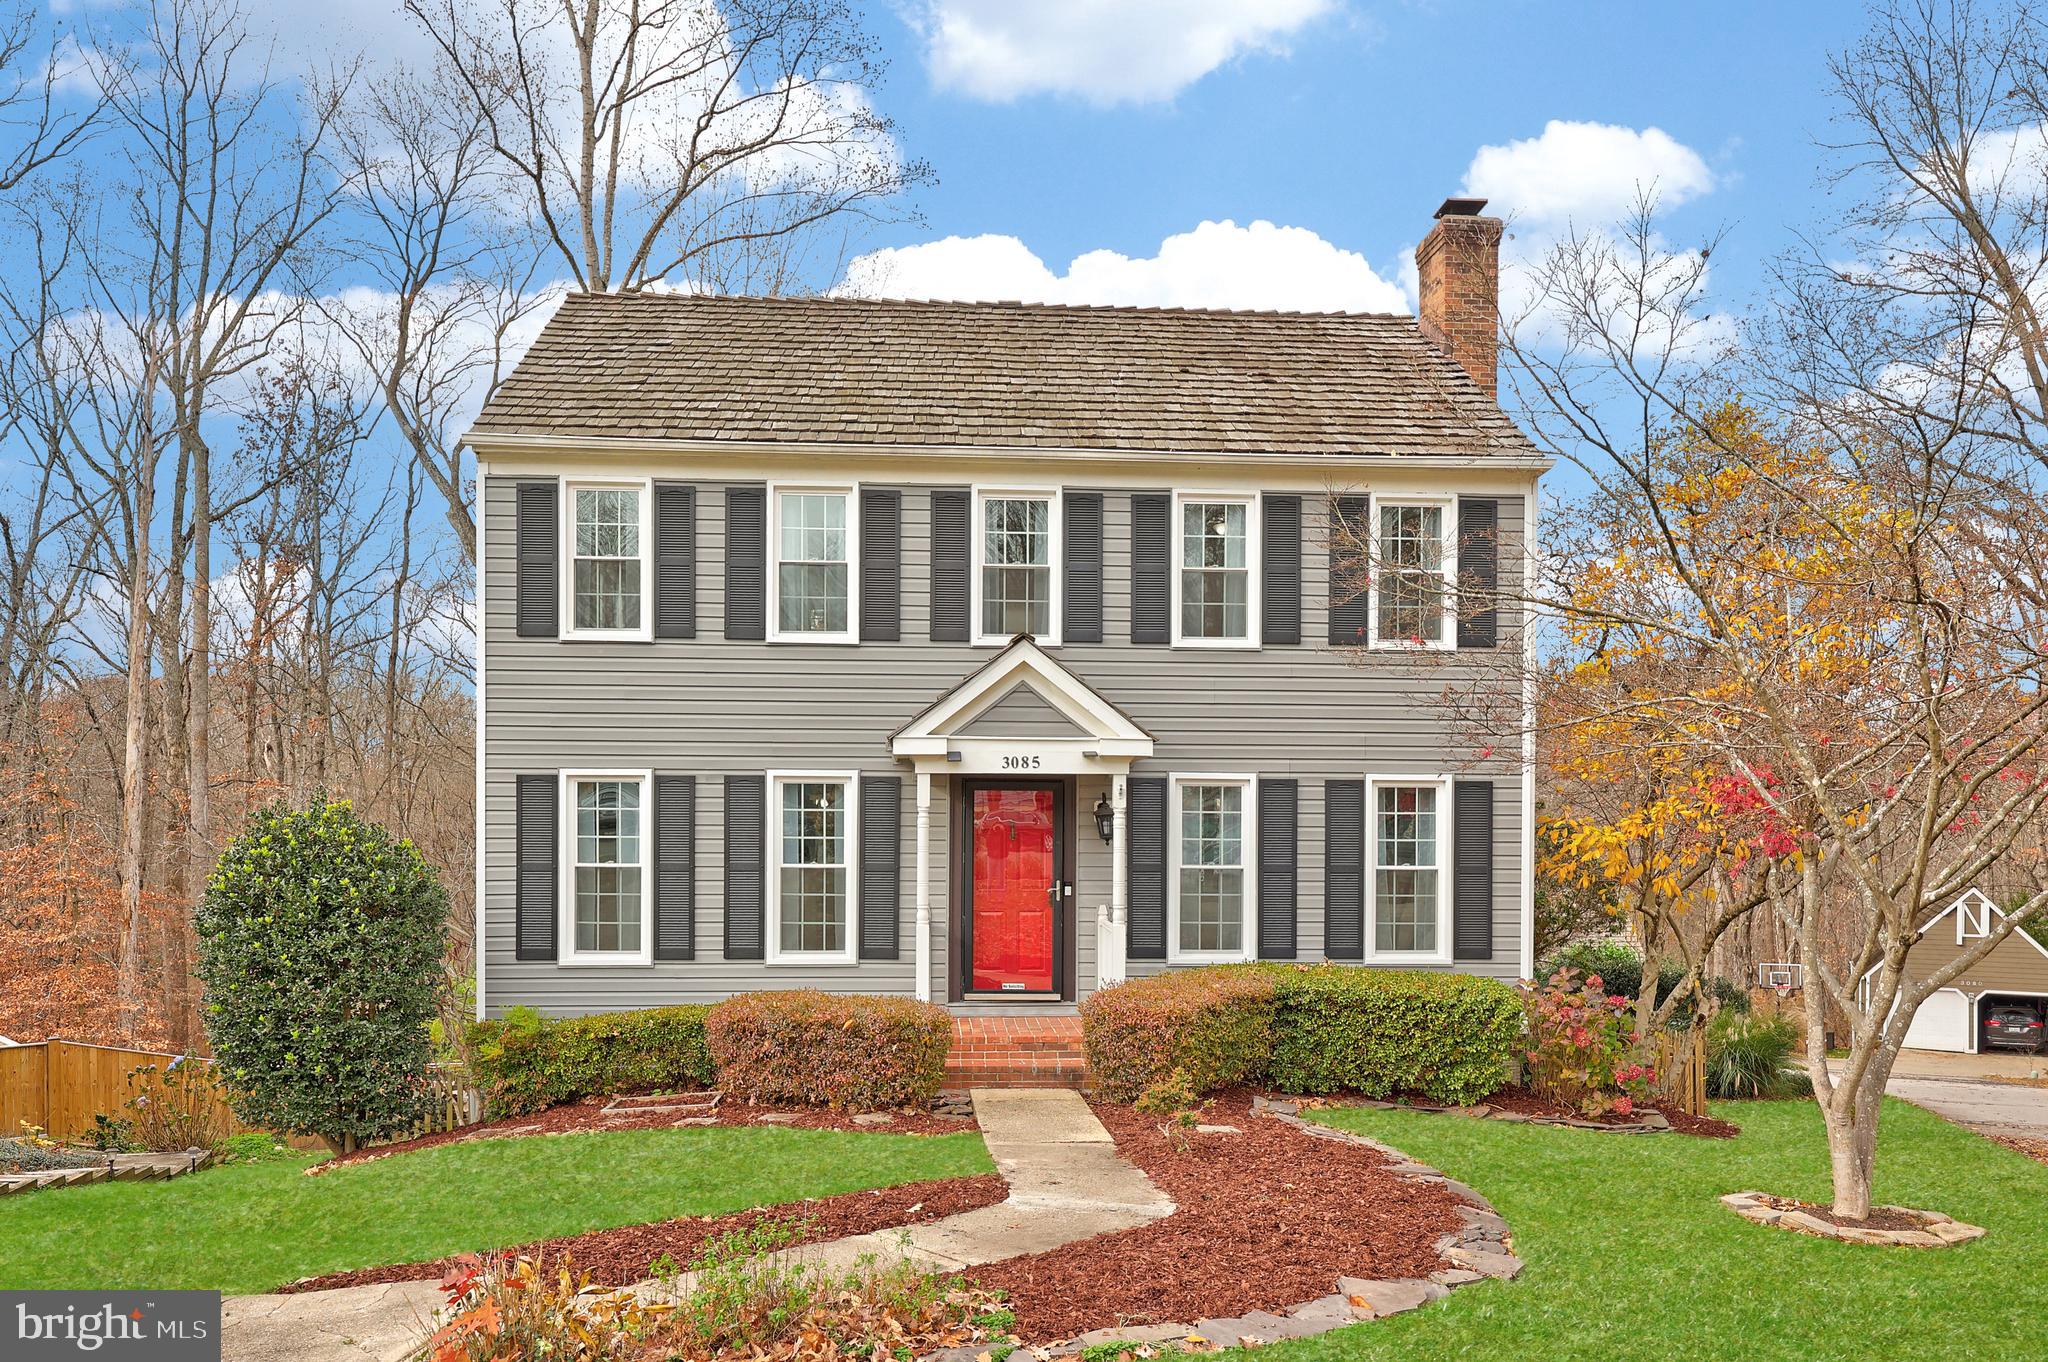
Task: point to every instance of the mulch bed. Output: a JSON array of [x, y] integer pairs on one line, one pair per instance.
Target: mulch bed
[[1878, 1219], [589, 1115], [1706, 1127], [621, 1256], [1522, 1102], [1267, 1219]]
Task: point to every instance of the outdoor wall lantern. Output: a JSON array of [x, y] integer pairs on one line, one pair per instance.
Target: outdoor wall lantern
[[1105, 821]]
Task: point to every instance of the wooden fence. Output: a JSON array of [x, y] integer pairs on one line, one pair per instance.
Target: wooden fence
[[1682, 1069], [60, 1085]]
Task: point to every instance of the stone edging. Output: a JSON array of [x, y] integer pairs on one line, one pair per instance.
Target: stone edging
[[116, 1168], [1939, 1231], [1479, 1251], [1648, 1123]]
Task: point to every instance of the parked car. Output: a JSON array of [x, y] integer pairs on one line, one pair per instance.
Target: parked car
[[2013, 1026]]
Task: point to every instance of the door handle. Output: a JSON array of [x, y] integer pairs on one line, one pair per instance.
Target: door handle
[[1052, 894]]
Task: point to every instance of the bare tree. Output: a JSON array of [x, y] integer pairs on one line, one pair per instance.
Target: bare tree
[[645, 135]]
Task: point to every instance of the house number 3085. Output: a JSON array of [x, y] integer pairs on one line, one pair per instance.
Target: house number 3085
[[1020, 763]]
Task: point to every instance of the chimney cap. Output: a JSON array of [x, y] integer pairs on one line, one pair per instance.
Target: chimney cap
[[1461, 208]]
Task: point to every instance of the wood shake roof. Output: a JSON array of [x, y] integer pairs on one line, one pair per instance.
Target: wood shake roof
[[656, 366]]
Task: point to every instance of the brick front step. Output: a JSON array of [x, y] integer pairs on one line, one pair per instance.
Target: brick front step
[[1016, 1052]]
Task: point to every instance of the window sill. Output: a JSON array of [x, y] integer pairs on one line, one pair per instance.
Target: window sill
[[643, 636], [601, 962], [1219, 644], [811, 962]]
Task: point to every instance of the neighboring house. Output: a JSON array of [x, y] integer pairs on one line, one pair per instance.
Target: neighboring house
[[2016, 970], [990, 652]]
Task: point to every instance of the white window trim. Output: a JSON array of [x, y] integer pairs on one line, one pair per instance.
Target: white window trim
[[1254, 584], [566, 815], [1442, 785], [1249, 946], [1056, 551], [1447, 640], [851, 491], [569, 631], [777, 955]]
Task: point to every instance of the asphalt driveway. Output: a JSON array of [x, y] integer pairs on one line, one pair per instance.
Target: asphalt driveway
[[1966, 1089]]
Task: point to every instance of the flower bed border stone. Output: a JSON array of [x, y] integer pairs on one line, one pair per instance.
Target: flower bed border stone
[[1646, 1123], [1480, 1250], [1939, 1231]]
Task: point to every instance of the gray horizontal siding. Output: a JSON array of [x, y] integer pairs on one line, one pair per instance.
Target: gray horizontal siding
[[710, 707]]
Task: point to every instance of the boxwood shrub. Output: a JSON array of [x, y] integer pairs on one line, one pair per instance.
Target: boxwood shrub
[[1213, 1024], [852, 1052], [525, 1063], [1305, 1028], [1448, 1037]]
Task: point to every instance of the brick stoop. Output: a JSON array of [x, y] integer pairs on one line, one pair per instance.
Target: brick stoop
[[1016, 1052]]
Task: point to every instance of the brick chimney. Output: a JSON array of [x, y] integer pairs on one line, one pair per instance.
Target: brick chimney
[[1457, 268]]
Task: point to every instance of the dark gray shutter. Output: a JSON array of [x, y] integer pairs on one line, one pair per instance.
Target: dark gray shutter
[[746, 563], [881, 865], [675, 867], [675, 560], [536, 902], [1478, 572], [1145, 865], [537, 529], [1279, 817], [745, 846], [1350, 572], [881, 565], [1151, 564], [952, 591], [1472, 869], [1280, 584], [1344, 869], [1081, 611]]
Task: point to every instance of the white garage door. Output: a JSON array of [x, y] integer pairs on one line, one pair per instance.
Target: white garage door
[[1942, 1023]]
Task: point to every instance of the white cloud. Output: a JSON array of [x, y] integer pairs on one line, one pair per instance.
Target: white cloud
[[1218, 264], [1105, 51], [1588, 173]]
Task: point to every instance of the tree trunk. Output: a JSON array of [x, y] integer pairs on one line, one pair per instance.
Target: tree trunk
[[1851, 1121], [199, 747], [128, 976]]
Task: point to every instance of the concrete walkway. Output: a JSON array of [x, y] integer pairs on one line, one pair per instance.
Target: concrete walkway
[[1066, 1183]]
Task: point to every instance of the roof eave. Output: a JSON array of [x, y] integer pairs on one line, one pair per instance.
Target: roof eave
[[489, 444]]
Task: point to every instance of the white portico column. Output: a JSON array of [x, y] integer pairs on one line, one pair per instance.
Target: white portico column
[[924, 886], [1119, 856]]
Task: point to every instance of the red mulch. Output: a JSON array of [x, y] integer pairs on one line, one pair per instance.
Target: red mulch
[[1878, 1219], [621, 1256], [590, 1115], [2037, 1150], [1268, 1218], [1706, 1127], [1523, 1102]]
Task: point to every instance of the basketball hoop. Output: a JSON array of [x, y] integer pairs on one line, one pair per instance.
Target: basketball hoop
[[1783, 988]]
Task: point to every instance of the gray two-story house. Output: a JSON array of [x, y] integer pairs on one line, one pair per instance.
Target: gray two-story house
[[989, 653]]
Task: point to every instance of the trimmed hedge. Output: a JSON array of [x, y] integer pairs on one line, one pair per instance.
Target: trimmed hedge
[[1214, 1024], [525, 1063], [1306, 1028], [847, 1051]]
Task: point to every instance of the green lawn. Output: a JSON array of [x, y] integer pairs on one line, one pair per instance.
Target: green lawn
[[1630, 1256], [251, 1227]]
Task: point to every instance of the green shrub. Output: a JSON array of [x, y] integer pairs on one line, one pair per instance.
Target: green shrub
[[1746, 1056], [1448, 1037], [320, 946], [852, 1052], [525, 1063], [1213, 1025], [1620, 969]]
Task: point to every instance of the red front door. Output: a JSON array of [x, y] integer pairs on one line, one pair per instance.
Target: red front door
[[1014, 875]]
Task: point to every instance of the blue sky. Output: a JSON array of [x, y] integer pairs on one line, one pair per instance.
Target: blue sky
[[1355, 122]]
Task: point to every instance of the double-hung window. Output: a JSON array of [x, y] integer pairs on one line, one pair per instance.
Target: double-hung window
[[1016, 552], [811, 880], [606, 846], [605, 587], [1414, 571], [815, 539], [1213, 912], [1410, 845], [1215, 598]]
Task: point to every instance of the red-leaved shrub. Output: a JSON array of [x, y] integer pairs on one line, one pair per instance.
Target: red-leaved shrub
[[851, 1052], [1584, 1049], [1214, 1025]]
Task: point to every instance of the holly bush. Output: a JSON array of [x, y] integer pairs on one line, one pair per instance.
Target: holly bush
[[320, 948]]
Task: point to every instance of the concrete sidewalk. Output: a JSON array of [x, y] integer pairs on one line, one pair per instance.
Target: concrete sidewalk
[[1066, 1183]]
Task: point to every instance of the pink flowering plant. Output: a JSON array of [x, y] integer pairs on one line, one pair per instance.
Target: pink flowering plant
[[1584, 1050]]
